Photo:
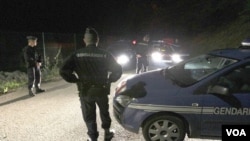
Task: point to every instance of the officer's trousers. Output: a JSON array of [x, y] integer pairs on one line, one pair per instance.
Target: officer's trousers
[[142, 64], [88, 105], [34, 77]]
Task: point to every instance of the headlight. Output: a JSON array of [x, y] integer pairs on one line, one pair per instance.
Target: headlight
[[156, 56], [123, 100], [176, 58], [123, 59]]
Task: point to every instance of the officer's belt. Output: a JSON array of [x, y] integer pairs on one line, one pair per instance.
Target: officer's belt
[[94, 85]]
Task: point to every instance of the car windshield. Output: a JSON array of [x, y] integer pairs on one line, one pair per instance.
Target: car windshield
[[192, 71], [166, 48]]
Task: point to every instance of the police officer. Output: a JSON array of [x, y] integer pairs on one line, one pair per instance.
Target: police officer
[[142, 50], [92, 69], [33, 62]]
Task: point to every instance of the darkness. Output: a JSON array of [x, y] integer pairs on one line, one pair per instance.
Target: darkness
[[60, 16], [118, 17], [127, 19]]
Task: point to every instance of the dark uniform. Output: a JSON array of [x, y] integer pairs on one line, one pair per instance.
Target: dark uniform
[[142, 50], [93, 69], [33, 60]]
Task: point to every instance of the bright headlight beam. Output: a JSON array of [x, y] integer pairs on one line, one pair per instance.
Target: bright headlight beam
[[156, 56], [176, 58], [122, 59]]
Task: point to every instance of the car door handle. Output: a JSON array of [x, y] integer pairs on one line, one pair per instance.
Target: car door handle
[[195, 104]]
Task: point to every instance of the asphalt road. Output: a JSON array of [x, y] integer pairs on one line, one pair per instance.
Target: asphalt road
[[52, 116]]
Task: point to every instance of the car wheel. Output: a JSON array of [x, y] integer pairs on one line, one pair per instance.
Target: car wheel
[[164, 128]]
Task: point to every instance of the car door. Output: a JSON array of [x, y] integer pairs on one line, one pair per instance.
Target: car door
[[230, 109]]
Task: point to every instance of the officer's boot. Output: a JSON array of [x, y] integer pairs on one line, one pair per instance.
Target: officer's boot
[[39, 90], [137, 71], [91, 139], [93, 136], [145, 69], [108, 135], [31, 92]]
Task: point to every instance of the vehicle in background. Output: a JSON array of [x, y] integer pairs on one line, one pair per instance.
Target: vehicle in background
[[195, 97], [123, 52], [245, 43], [162, 51]]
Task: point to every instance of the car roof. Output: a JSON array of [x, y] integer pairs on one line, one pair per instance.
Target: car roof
[[234, 53]]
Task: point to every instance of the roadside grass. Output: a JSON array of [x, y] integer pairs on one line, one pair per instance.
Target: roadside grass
[[50, 74], [10, 81], [8, 86]]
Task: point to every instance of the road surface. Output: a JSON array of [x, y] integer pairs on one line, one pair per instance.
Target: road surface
[[52, 116]]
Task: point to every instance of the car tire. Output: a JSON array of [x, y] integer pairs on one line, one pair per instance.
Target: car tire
[[164, 128]]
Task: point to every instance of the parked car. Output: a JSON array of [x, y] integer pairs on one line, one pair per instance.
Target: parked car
[[245, 43], [194, 98], [123, 52], [165, 52]]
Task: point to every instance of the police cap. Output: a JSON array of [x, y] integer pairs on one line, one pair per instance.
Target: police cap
[[31, 38]]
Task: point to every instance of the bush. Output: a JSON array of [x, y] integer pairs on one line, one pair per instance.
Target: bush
[[50, 74], [10, 81]]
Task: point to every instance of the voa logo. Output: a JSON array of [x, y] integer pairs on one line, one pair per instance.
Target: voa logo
[[236, 132]]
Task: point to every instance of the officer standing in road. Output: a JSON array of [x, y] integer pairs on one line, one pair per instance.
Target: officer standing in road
[[93, 69], [142, 50], [33, 62]]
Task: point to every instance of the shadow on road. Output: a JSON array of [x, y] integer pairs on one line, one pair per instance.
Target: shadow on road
[[60, 87], [27, 96], [15, 100]]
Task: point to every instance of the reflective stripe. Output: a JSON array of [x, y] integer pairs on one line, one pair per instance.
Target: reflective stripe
[[144, 44], [171, 108], [97, 55]]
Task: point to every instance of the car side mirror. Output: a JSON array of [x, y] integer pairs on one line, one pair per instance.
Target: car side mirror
[[217, 89]]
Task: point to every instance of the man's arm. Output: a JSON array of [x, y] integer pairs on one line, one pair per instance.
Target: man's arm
[[38, 58], [115, 69], [67, 70], [30, 61]]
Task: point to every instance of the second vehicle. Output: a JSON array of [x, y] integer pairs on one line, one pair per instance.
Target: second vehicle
[[123, 52]]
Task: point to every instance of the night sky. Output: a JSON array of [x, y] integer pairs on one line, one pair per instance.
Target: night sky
[[60, 16], [118, 16]]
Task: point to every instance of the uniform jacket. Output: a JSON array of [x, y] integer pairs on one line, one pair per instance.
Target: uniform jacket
[[90, 66], [142, 48], [31, 56]]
